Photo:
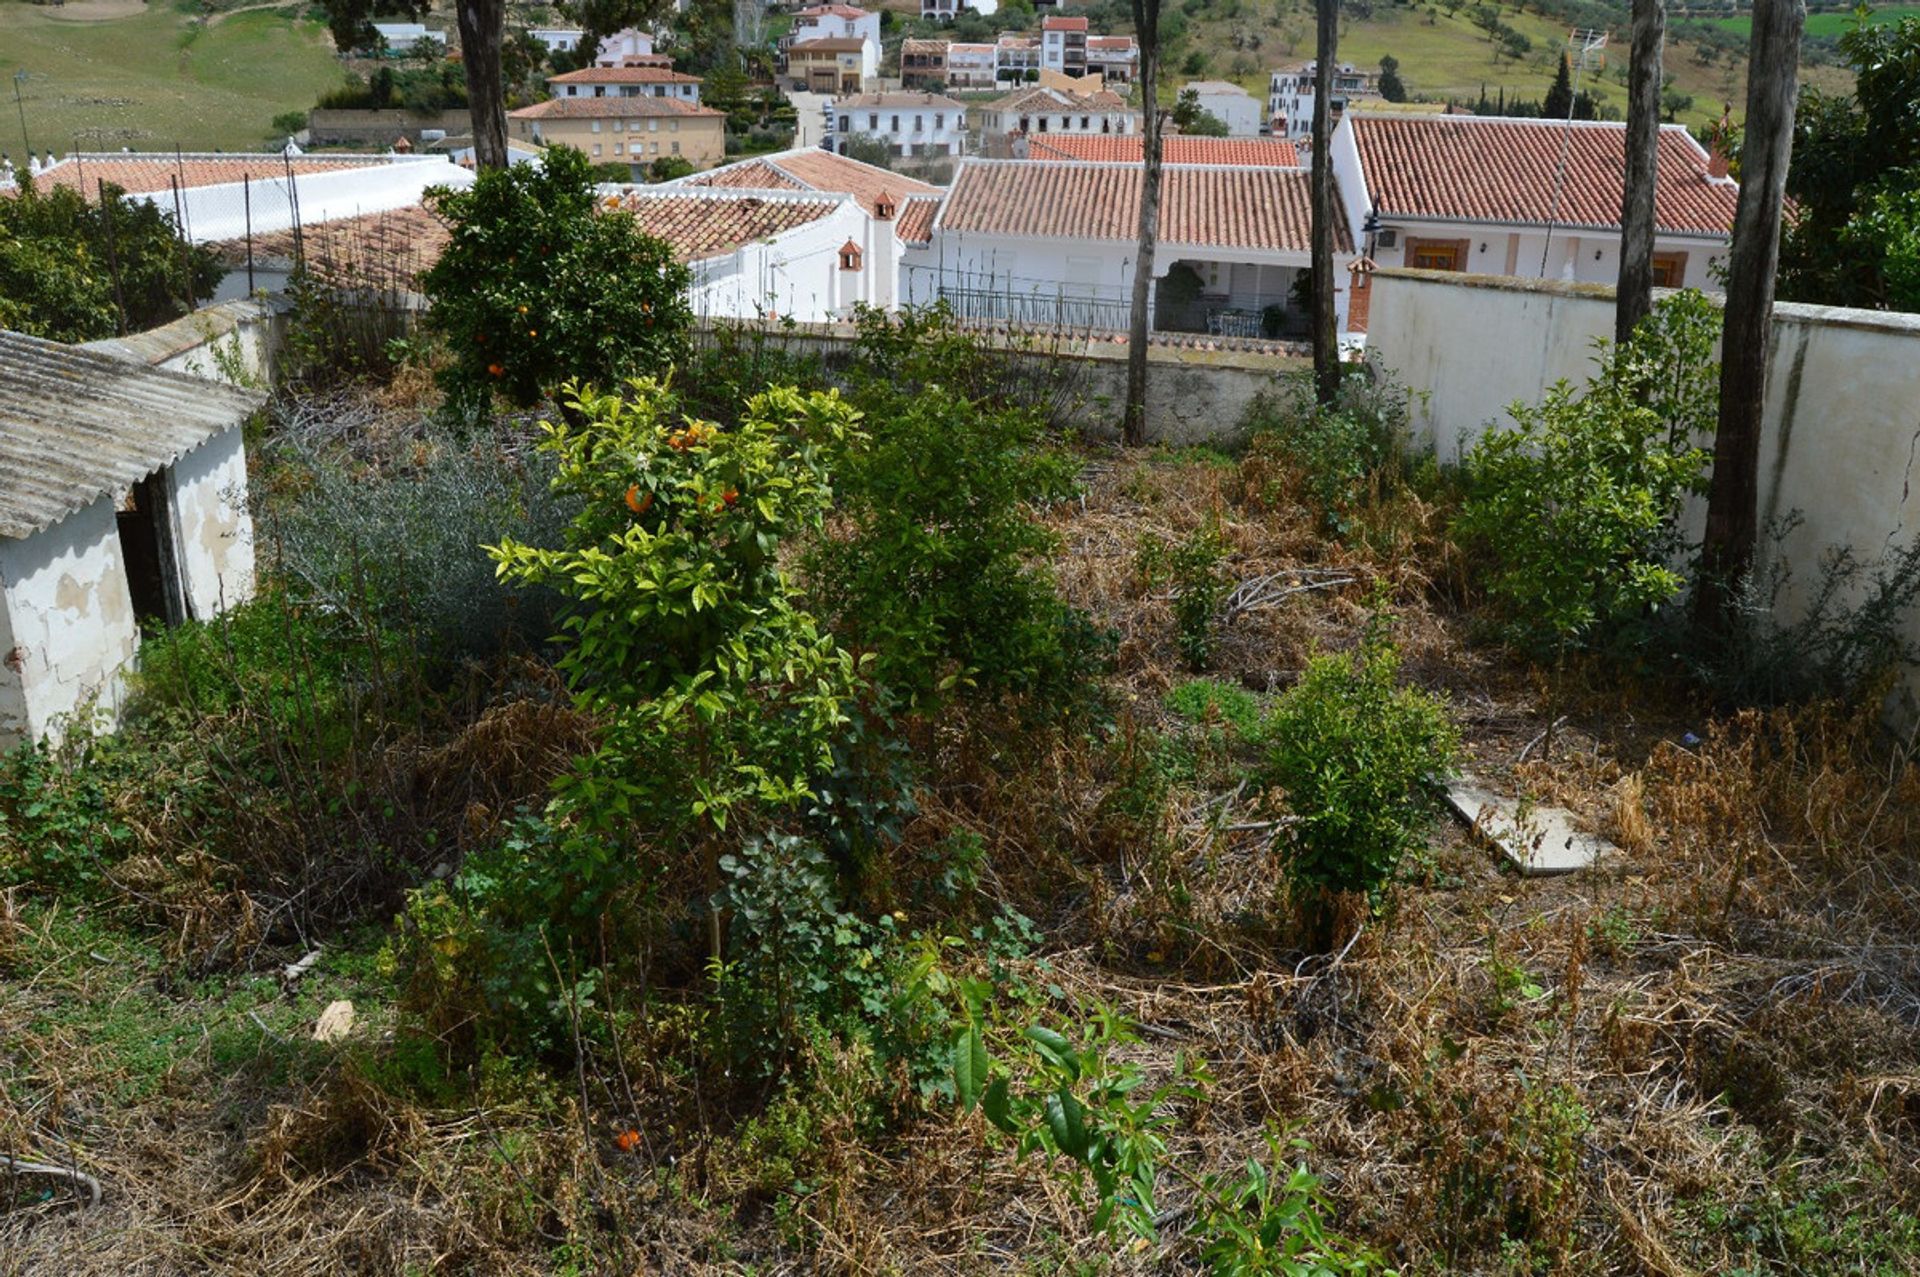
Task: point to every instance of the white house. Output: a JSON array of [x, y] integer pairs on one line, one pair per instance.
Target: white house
[[1014, 56], [1232, 105], [971, 66], [1035, 111], [948, 10], [1052, 244], [1290, 96], [558, 39], [1063, 45], [122, 502], [836, 22], [628, 42], [1114, 58], [625, 82], [911, 124], [1492, 196]]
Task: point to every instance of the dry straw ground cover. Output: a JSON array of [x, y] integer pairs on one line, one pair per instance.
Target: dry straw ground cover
[[1699, 1058]]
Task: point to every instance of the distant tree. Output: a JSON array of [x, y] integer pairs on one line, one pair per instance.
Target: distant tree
[[285, 125], [868, 150], [1672, 102], [1392, 88], [1195, 120], [1559, 101], [668, 167]]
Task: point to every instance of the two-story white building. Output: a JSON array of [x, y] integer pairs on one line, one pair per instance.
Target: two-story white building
[[1536, 198], [1044, 111], [948, 10], [626, 82], [1114, 58], [1290, 93], [836, 22], [971, 65], [1016, 57], [927, 125], [628, 42]]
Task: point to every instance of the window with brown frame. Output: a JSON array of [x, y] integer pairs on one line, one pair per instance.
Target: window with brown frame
[[1436, 254], [1669, 270]]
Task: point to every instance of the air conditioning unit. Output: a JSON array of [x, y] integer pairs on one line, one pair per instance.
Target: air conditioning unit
[[1387, 239]]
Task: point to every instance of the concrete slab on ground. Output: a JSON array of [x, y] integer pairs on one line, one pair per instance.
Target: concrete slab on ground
[[1537, 840]]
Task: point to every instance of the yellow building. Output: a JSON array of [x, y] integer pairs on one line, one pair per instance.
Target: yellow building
[[627, 130]]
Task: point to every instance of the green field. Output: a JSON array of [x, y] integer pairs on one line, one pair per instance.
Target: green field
[[101, 76], [1830, 24]]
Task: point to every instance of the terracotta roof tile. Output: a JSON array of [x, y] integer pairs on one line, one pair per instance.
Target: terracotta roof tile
[[1264, 209], [710, 224], [1063, 24], [1122, 148], [1055, 100], [827, 44], [814, 169], [898, 98], [144, 174], [914, 225], [613, 108], [1471, 168], [624, 75]]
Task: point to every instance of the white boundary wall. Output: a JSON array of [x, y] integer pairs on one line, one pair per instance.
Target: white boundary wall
[[1840, 442]]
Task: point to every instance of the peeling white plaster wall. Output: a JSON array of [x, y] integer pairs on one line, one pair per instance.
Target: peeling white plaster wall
[[214, 529]]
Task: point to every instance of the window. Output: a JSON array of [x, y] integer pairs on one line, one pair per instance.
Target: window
[[653, 126], [618, 148], [940, 121], [1436, 254], [1669, 270], [596, 148], [676, 148], [1086, 124], [595, 126], [846, 124], [673, 126], [896, 125], [873, 123]]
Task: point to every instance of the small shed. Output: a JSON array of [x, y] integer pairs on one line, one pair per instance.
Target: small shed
[[123, 506]]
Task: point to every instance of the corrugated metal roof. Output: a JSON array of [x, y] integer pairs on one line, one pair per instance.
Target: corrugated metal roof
[[76, 424]]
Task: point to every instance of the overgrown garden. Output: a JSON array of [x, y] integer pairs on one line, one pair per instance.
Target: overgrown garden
[[780, 812]]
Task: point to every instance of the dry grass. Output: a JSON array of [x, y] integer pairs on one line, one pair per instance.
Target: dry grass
[[1646, 1068]]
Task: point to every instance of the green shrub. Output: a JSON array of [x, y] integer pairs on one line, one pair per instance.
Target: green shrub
[[1354, 754], [1574, 512], [1340, 455], [1192, 573], [57, 827], [1206, 700], [539, 285], [272, 653]]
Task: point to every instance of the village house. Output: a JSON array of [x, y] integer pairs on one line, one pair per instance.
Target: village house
[[1233, 106], [403, 38], [923, 64], [1114, 58], [626, 47], [911, 124], [631, 130], [972, 66], [123, 506], [1290, 96], [836, 22], [625, 82], [1024, 113], [1016, 57], [1052, 244], [948, 10], [1495, 196], [558, 39], [1063, 45], [832, 66]]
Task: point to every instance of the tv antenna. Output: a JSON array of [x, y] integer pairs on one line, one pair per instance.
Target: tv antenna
[[1586, 51]]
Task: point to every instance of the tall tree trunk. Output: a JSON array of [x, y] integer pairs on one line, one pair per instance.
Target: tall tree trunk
[[1733, 501], [1146, 22], [1634, 298], [483, 27], [1326, 338]]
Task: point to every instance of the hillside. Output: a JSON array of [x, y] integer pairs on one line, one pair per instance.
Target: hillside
[[1443, 54], [103, 74]]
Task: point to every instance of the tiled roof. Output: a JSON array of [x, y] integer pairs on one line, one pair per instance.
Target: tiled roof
[[1054, 100], [624, 75], [833, 44], [832, 11], [958, 46], [813, 169], [1063, 24], [890, 100], [709, 224], [612, 108], [1472, 168], [923, 46], [914, 225], [1111, 43], [144, 174], [1125, 148], [385, 251], [1264, 209]]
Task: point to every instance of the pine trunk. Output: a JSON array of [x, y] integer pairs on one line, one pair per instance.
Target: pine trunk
[[483, 27], [1326, 338], [1146, 20], [1634, 299]]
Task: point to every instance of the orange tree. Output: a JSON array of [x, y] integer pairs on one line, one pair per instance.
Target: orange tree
[[542, 282]]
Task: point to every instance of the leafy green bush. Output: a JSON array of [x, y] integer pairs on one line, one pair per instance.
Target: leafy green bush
[[1338, 455], [934, 562], [272, 653], [540, 284], [57, 272], [1574, 512], [1191, 570], [57, 829], [1206, 700], [1354, 753]]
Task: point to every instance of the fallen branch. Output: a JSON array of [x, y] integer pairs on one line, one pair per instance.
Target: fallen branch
[[79, 1179]]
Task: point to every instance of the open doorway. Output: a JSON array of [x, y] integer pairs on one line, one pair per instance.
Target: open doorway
[[146, 546]]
